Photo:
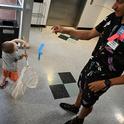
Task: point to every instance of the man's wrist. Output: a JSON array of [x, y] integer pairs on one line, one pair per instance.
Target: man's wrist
[[107, 83]]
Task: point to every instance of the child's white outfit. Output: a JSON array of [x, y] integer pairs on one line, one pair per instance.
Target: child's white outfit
[[9, 67]]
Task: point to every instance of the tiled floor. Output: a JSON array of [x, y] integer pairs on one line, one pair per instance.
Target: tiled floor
[[66, 77], [60, 58], [61, 90]]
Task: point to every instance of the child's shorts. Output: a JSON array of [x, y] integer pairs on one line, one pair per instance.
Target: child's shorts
[[13, 75]]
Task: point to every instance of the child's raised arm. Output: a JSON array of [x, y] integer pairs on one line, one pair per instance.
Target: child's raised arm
[[22, 42]]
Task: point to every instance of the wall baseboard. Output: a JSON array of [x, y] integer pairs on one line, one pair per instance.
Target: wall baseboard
[[35, 25], [44, 26]]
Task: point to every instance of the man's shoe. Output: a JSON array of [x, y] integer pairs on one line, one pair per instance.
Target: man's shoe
[[75, 120], [68, 107]]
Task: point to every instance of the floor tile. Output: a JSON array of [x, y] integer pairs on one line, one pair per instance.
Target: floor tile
[[62, 36], [53, 79], [71, 40], [67, 77], [72, 89], [59, 91]]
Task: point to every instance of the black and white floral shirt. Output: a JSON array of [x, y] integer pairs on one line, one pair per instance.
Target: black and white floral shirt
[[110, 47]]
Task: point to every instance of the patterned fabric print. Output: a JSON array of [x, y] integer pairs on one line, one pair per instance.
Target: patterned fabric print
[[114, 41], [110, 47], [92, 71], [110, 64]]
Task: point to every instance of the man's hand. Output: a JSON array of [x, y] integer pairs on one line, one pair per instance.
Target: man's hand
[[97, 85], [57, 28]]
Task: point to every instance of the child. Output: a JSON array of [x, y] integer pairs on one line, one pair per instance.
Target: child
[[10, 56]]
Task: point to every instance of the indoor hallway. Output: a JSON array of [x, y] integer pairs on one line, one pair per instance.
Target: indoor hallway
[[58, 70]]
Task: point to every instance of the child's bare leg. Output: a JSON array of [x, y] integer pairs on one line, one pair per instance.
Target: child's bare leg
[[4, 79], [4, 83]]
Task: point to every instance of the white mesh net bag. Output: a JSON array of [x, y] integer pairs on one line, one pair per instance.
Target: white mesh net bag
[[28, 79]]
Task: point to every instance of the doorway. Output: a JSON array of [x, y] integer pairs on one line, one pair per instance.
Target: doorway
[[65, 12]]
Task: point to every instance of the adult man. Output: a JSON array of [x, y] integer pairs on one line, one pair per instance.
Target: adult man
[[106, 65]]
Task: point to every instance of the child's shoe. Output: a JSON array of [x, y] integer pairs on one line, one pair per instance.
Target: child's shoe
[[3, 86]]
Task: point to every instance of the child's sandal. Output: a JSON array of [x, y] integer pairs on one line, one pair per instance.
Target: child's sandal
[[3, 86]]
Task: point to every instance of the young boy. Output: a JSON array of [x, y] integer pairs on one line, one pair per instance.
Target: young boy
[[10, 56]]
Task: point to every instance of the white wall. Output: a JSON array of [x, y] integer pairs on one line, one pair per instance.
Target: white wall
[[90, 13], [95, 13], [106, 10], [47, 4]]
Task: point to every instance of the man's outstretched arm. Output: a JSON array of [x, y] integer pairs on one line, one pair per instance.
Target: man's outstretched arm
[[81, 34]]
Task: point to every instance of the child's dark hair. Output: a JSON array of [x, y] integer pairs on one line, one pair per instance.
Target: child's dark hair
[[8, 47]]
